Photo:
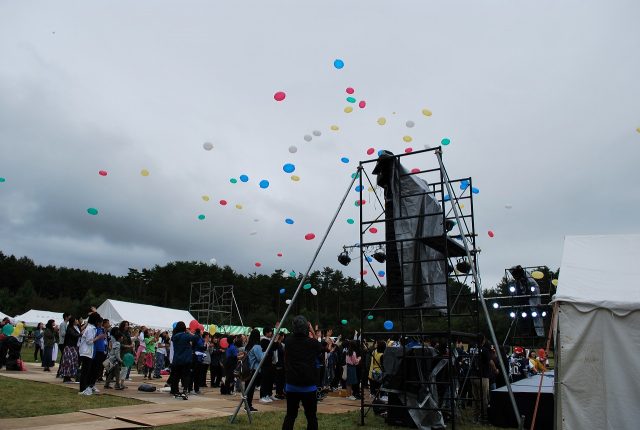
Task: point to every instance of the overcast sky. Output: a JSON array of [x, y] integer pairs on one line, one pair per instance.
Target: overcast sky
[[541, 102]]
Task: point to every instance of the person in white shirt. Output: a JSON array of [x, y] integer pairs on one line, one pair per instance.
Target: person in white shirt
[[85, 349]]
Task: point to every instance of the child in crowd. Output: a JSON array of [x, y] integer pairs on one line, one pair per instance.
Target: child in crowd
[[116, 361], [161, 347], [150, 341]]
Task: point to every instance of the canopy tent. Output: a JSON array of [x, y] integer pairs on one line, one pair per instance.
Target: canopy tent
[[33, 317], [598, 333], [155, 317], [238, 329]]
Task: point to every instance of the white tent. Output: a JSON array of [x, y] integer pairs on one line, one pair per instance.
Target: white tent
[[155, 317], [598, 333], [33, 317]]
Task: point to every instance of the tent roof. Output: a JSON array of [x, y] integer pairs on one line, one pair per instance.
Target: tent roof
[[600, 272], [155, 317], [238, 329], [33, 317]]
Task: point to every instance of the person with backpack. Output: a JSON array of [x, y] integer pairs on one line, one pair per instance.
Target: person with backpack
[[375, 370], [250, 364]]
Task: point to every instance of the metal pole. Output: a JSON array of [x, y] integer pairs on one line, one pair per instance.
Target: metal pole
[[293, 300], [456, 212], [237, 309]]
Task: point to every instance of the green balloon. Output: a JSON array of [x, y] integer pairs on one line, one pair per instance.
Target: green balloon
[[128, 359], [445, 141], [355, 175], [92, 211], [350, 221], [369, 317], [344, 322], [307, 286], [351, 99], [2, 179], [7, 329], [201, 217], [292, 274], [233, 180]]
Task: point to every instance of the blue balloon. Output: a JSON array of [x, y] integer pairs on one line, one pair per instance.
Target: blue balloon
[[388, 325], [289, 221], [359, 188], [447, 197], [381, 273], [338, 63], [369, 259], [474, 190], [345, 160], [380, 152], [464, 185], [264, 184], [282, 291], [174, 324], [289, 168], [244, 178]]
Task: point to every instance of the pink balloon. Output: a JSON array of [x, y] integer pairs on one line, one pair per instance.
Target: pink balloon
[[309, 236], [490, 233], [224, 343], [370, 151], [362, 104], [373, 230], [350, 90], [415, 170], [279, 96], [364, 272], [279, 254], [258, 264], [223, 202], [408, 150], [102, 173]]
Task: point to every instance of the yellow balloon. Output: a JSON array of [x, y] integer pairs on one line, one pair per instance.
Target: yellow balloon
[[205, 198], [335, 128], [17, 330], [407, 139], [348, 109], [212, 329], [144, 172], [370, 189], [555, 282], [295, 178], [638, 129], [238, 206], [537, 274], [382, 120], [461, 205], [426, 112]]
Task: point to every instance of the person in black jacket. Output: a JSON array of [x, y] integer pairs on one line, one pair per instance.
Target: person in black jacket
[[301, 350]]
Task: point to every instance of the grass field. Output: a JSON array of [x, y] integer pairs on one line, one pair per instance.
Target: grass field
[[30, 399]]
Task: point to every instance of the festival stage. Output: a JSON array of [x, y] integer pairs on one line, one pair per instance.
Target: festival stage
[[525, 391]]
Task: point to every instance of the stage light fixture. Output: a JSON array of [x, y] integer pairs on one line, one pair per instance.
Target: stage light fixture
[[463, 266], [380, 255], [449, 224], [544, 314], [512, 314], [343, 258], [533, 289], [523, 314], [512, 289], [534, 314], [496, 305]]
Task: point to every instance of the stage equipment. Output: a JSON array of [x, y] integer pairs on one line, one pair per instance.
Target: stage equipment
[[213, 304], [343, 258], [463, 266], [380, 255]]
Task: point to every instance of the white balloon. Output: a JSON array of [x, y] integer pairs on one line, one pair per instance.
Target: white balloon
[[256, 220], [213, 261], [293, 149], [410, 124], [508, 206], [288, 301], [317, 133], [253, 233], [314, 291], [308, 137], [285, 275], [208, 146]]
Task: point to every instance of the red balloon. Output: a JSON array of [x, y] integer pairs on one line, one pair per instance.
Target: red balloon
[[223, 202], [408, 150], [279, 254], [370, 151], [364, 272], [490, 233], [102, 173], [258, 264], [279, 96], [362, 104], [193, 325], [224, 343], [373, 230], [350, 90], [309, 236], [415, 170]]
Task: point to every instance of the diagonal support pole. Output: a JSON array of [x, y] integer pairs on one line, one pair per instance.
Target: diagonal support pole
[[456, 212], [293, 300]]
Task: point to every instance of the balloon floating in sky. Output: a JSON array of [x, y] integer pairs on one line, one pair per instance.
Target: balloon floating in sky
[[381, 273], [264, 184], [446, 198], [293, 149], [490, 233], [369, 259], [388, 325], [350, 90], [307, 286], [289, 168], [351, 99], [201, 217], [474, 190], [350, 221], [445, 141], [370, 317], [3, 180], [238, 206], [144, 172], [282, 291], [208, 146], [373, 230], [358, 188], [233, 180], [244, 178], [370, 151], [308, 137], [258, 264], [292, 273], [345, 160], [317, 133], [344, 322], [309, 236], [101, 173], [555, 281], [295, 178], [426, 112], [508, 206], [409, 124], [288, 301], [464, 185], [362, 104], [537, 274], [279, 254], [382, 120], [279, 96], [314, 291], [348, 109], [354, 175], [205, 198], [92, 211], [415, 170], [338, 63], [223, 202], [213, 261], [335, 128], [364, 272], [360, 202], [407, 138], [408, 150], [289, 221]]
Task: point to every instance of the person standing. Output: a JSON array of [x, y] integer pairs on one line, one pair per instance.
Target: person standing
[[126, 344], [161, 350], [50, 338], [301, 351], [86, 350], [182, 342], [38, 342], [254, 354], [217, 355], [278, 350], [480, 384], [267, 372], [230, 363], [69, 366], [100, 351], [62, 330]]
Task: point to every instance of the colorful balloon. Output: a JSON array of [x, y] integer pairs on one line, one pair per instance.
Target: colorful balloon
[[464, 184], [554, 282], [279, 96], [244, 178], [350, 221], [345, 160], [307, 286], [370, 151], [407, 138], [295, 178], [101, 173], [144, 172], [344, 322], [370, 317], [293, 149], [350, 90], [373, 230], [212, 329], [258, 264], [426, 112], [309, 236], [213, 261], [382, 120], [338, 63], [358, 188], [445, 141], [388, 325], [92, 211], [223, 202], [282, 291], [288, 301], [3, 180], [410, 124], [362, 104], [351, 99], [381, 273], [415, 170], [208, 146], [335, 128], [7, 329], [205, 198], [348, 109], [289, 168], [233, 180], [224, 343], [475, 190], [201, 217], [308, 137], [289, 221], [314, 291], [490, 233], [238, 206], [279, 254], [537, 274], [264, 184], [408, 150]]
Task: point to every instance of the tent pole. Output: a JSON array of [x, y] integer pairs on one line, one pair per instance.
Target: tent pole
[[237, 309], [535, 409], [454, 205], [293, 299]]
